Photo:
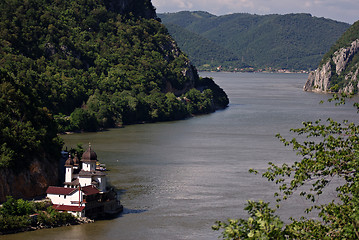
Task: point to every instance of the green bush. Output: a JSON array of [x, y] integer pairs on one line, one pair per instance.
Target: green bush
[[15, 215], [262, 224], [51, 217], [19, 207], [14, 223]]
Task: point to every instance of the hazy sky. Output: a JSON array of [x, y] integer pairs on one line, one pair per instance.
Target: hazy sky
[[340, 10]]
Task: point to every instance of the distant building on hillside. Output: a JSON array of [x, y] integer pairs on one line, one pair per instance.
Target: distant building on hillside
[[85, 192]]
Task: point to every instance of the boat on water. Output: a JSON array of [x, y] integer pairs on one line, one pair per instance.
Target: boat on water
[[100, 166]]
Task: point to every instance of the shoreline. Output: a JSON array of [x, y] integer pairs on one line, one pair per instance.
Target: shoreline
[[77, 221]]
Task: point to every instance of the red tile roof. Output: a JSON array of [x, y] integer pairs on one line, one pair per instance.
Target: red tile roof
[[89, 190], [68, 208], [60, 190]]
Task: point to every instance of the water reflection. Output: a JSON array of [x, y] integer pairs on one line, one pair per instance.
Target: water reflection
[[132, 211]]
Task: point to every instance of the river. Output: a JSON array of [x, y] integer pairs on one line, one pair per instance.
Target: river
[[177, 178]]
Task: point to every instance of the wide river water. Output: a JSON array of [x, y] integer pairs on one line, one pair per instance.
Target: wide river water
[[177, 178]]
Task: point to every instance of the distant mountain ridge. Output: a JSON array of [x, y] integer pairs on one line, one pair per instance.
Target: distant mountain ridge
[[291, 41], [339, 68]]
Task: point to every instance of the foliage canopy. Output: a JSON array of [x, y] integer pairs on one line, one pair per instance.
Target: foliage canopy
[[86, 65]]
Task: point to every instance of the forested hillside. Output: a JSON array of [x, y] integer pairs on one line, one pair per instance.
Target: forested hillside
[[292, 41], [203, 52], [85, 65]]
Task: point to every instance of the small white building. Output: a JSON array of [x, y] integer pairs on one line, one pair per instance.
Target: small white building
[[85, 191], [72, 200]]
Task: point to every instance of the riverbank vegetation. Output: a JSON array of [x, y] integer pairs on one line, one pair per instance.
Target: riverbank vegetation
[[88, 65], [21, 215]]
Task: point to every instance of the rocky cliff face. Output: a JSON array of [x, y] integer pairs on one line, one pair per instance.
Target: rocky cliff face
[[337, 73], [28, 183], [188, 71]]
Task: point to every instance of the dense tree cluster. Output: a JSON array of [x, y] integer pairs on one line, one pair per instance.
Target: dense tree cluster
[[27, 129], [87, 65]]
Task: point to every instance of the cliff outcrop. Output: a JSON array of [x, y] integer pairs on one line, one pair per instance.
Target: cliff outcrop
[[29, 182], [333, 75], [338, 71]]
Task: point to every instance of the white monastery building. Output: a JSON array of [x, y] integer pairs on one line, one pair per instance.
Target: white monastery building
[[85, 191]]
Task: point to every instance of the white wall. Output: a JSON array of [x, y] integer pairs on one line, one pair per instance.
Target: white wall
[[102, 183], [89, 166], [66, 199], [68, 174], [85, 181]]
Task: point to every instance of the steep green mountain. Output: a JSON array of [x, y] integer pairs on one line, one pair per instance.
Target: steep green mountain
[[85, 65], [292, 41], [339, 68], [210, 54]]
